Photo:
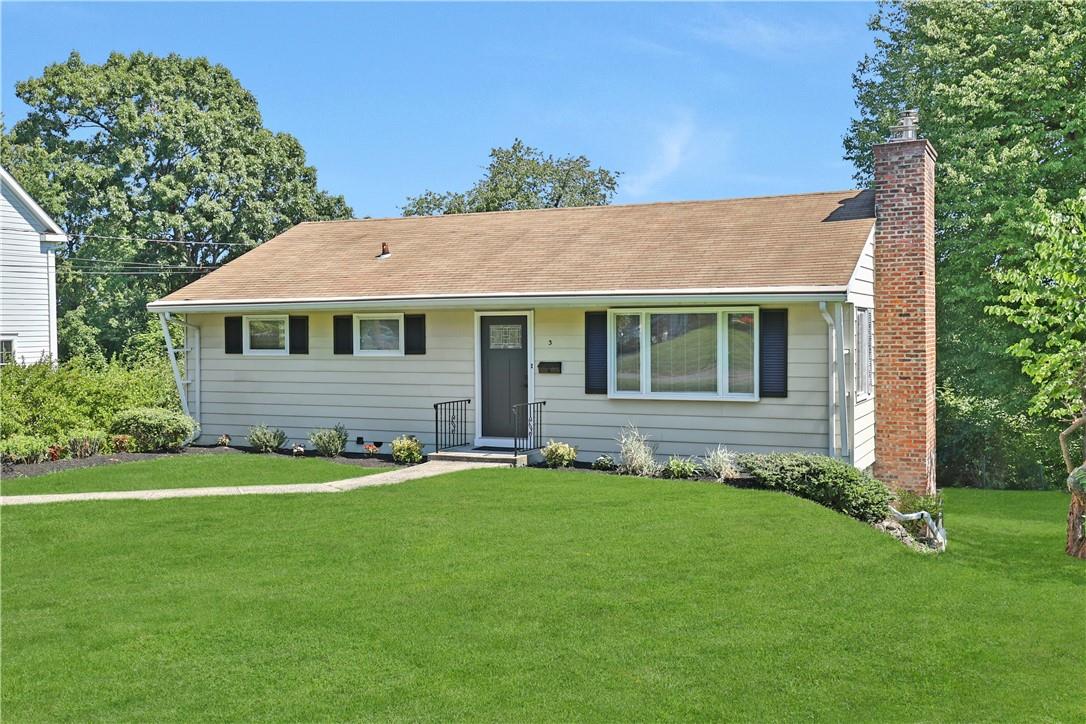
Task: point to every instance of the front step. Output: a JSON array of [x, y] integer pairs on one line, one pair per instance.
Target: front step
[[481, 456]]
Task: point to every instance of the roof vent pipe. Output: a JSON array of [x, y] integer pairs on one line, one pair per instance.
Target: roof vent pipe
[[385, 253]]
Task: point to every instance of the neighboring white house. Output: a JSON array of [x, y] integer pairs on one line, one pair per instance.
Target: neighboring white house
[[801, 322], [28, 297]]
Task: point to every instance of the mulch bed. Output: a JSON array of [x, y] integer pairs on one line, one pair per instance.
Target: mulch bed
[[53, 466]]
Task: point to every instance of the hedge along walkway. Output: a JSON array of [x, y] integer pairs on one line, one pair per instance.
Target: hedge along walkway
[[425, 470]]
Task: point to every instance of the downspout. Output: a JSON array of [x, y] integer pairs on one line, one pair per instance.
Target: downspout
[[842, 387], [831, 330], [163, 318]]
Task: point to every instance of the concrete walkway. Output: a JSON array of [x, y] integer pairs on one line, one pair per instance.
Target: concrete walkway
[[425, 470]]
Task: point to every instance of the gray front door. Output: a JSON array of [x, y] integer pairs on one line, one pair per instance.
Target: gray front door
[[503, 364]]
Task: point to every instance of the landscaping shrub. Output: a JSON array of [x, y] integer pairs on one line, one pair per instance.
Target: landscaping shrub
[[57, 452], [407, 450], [638, 457], [154, 429], [85, 443], [329, 441], [980, 444], [680, 468], [827, 481], [24, 449], [559, 454], [49, 401], [604, 462], [720, 463], [223, 441], [121, 443], [907, 502], [265, 439]]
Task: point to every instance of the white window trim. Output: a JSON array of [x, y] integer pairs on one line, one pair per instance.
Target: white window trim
[[14, 348], [285, 319], [646, 355], [376, 352], [861, 394]]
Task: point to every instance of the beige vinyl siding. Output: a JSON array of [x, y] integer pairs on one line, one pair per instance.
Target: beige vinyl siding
[[864, 450], [376, 397], [380, 398], [684, 427], [27, 286]]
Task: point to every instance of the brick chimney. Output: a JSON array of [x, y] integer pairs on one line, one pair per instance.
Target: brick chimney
[[905, 309]]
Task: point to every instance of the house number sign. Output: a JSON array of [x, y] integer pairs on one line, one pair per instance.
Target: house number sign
[[505, 336]]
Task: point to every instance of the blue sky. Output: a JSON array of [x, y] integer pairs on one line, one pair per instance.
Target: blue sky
[[689, 101]]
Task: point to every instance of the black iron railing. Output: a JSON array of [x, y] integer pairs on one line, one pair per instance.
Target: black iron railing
[[528, 423], [451, 424]]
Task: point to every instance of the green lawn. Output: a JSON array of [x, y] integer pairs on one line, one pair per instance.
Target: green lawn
[[188, 471], [526, 595]]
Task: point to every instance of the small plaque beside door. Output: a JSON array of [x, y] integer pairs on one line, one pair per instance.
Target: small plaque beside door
[[505, 336], [550, 368]]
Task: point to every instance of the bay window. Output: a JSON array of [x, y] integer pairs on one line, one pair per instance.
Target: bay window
[[691, 353]]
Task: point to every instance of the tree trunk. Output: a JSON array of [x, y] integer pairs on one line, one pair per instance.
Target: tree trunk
[[1076, 531], [1076, 517]]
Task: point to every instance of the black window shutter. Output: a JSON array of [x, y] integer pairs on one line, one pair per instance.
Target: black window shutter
[[342, 334], [233, 335], [773, 353], [414, 334], [299, 335], [595, 353]]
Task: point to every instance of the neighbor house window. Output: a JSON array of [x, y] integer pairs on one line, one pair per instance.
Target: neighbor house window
[[684, 353], [378, 334], [269, 335], [865, 353], [7, 351]]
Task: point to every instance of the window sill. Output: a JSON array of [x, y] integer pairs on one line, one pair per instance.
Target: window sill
[[265, 353], [378, 353], [680, 397]]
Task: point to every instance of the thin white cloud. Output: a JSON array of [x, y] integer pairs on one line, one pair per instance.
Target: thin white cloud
[[671, 151], [767, 35]]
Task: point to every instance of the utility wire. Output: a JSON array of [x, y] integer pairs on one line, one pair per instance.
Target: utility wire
[[136, 238]]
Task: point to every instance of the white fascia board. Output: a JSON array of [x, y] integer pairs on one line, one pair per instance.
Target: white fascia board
[[498, 301], [20, 193]]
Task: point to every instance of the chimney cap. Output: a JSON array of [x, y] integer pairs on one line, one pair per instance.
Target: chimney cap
[[907, 126]]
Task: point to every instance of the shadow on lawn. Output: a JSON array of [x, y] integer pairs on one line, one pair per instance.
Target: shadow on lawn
[[1021, 536]]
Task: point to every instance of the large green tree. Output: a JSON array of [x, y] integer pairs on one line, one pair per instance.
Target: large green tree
[[143, 148], [522, 177], [1046, 299], [1001, 89]]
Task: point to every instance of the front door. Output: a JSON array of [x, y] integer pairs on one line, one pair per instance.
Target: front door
[[503, 367]]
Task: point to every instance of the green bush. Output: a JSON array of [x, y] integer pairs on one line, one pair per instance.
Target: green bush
[[49, 401], [827, 481], [559, 454], [85, 443], [407, 450], [680, 468], [980, 444], [330, 441], [154, 429], [604, 462], [264, 439], [24, 449]]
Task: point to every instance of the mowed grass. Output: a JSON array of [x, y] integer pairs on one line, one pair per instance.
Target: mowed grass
[[188, 471], [527, 595]]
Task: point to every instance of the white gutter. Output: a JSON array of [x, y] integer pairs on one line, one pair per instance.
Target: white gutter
[[831, 331], [497, 301]]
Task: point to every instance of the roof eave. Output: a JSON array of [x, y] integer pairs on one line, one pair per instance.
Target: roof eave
[[556, 299]]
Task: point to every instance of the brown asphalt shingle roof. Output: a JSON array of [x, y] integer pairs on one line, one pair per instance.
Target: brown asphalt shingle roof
[[808, 240]]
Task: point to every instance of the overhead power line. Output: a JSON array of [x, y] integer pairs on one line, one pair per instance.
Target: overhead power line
[[137, 238]]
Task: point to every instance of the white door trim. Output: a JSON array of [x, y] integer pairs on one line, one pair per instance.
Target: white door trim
[[481, 441]]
